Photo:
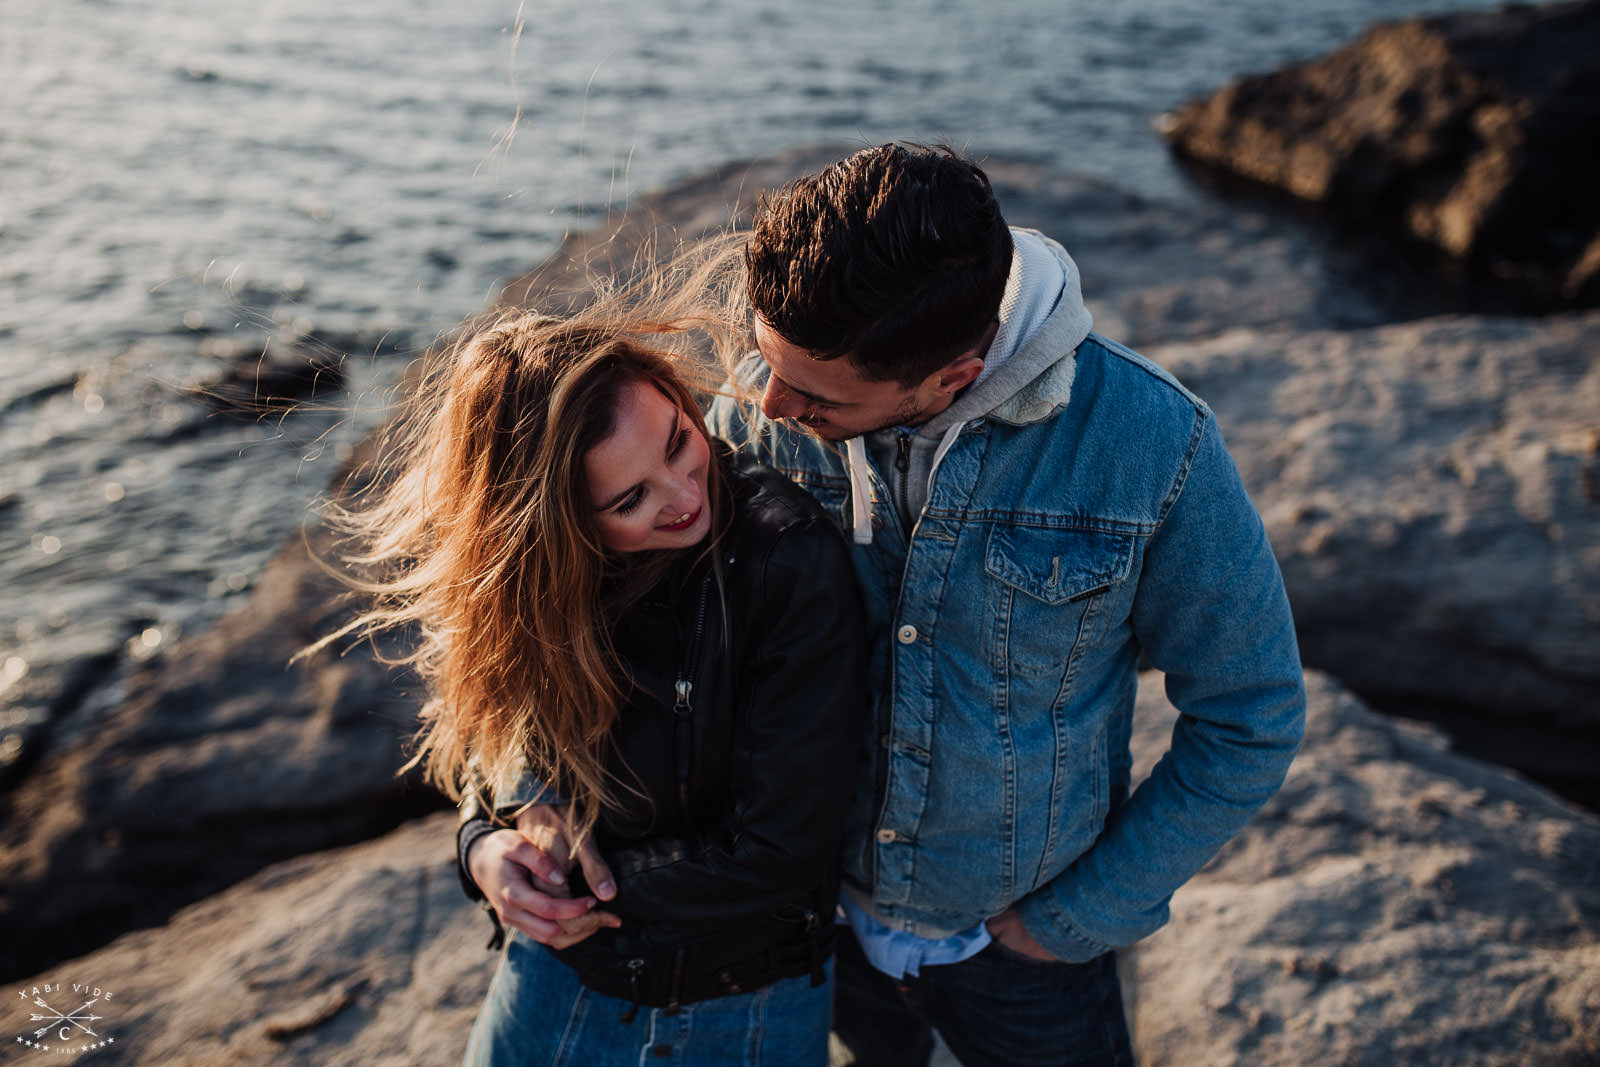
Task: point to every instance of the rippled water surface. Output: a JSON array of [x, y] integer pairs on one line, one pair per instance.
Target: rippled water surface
[[185, 183]]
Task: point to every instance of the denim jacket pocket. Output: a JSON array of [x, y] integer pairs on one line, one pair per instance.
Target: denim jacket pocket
[[1049, 583]]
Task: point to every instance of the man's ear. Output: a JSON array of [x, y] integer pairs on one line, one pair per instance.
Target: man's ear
[[958, 374]]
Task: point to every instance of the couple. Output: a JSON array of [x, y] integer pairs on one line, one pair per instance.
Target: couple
[[868, 652]]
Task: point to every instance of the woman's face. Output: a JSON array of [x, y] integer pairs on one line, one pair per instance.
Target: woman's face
[[647, 481]]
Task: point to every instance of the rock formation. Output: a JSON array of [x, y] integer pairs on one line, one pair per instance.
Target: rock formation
[[1474, 132], [1395, 903], [367, 954], [221, 758], [1432, 490]]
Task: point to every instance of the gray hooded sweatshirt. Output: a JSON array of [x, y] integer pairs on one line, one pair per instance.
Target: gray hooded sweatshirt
[[1043, 320]]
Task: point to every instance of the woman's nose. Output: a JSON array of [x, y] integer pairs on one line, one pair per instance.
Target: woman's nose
[[685, 497]]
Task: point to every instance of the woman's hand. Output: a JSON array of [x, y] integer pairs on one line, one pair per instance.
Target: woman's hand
[[513, 874]]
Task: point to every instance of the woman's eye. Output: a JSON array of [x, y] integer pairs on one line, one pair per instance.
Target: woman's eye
[[631, 502], [679, 439]]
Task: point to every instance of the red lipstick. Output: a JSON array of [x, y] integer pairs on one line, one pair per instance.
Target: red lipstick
[[686, 523]]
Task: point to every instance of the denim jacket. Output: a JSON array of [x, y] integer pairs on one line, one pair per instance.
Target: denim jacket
[[1091, 518]]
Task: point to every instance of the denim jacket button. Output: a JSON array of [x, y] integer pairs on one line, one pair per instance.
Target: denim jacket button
[[887, 836], [906, 634]]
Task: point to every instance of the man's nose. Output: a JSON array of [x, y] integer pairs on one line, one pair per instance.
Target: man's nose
[[778, 402]]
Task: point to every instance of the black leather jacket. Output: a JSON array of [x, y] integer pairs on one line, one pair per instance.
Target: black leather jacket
[[726, 868]]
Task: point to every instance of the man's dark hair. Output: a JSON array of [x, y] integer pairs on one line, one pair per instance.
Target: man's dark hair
[[896, 256]]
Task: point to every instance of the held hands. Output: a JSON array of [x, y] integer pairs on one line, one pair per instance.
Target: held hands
[[522, 873], [1007, 929]]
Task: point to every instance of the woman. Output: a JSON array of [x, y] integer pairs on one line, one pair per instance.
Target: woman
[[636, 639]]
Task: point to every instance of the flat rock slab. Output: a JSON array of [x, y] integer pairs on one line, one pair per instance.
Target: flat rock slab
[[1432, 491], [1167, 272], [368, 954], [1151, 271], [1395, 903]]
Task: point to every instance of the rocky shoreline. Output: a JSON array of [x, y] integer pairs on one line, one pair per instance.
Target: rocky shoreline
[[232, 853], [1395, 903]]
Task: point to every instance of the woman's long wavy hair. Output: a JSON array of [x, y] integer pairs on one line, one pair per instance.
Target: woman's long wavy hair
[[481, 531]]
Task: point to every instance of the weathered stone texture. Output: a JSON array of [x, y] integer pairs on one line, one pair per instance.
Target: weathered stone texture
[[1474, 132]]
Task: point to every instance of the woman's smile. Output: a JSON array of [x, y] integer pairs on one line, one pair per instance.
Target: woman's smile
[[683, 522]]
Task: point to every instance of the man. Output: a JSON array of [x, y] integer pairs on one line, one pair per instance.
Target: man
[[1033, 508]]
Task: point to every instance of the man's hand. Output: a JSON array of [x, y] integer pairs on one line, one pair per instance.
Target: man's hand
[[506, 866], [545, 826], [1007, 929]]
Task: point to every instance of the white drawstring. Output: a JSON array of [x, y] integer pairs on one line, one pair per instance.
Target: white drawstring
[[860, 481], [860, 495]]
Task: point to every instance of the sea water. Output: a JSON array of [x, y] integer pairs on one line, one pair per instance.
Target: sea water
[[185, 183]]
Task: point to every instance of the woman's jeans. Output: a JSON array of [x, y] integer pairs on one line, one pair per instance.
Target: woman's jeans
[[538, 1013], [997, 1009]]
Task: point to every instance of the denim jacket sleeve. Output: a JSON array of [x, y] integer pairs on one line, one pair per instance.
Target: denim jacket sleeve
[[1212, 613]]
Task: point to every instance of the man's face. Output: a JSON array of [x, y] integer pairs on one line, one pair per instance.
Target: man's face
[[831, 398]]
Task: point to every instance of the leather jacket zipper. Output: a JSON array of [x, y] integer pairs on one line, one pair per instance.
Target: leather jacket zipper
[[683, 702], [634, 967], [675, 986]]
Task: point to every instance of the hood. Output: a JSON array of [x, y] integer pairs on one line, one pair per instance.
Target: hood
[[1043, 320], [1027, 374]]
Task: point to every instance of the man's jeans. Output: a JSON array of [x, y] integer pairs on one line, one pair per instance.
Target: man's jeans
[[997, 1009]]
